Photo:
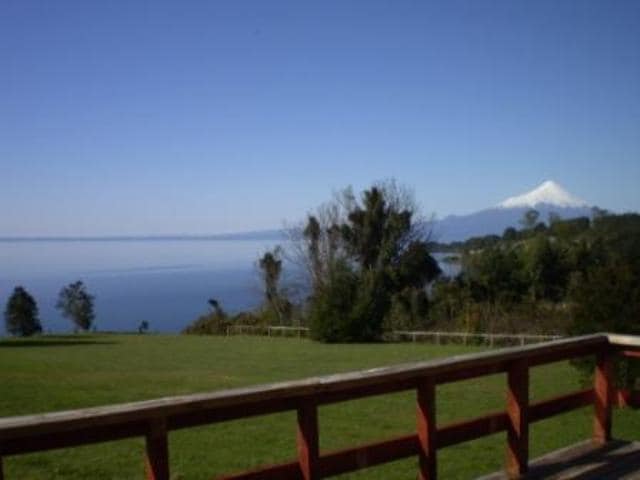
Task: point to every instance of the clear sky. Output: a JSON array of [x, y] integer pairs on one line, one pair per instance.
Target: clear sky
[[125, 117]]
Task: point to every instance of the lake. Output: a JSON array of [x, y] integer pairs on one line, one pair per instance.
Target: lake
[[165, 282]]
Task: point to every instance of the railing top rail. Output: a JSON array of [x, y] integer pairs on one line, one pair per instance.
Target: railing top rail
[[619, 340], [321, 388]]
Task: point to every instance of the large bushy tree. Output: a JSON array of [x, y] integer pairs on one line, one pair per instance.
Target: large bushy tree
[[76, 304], [548, 269], [495, 274], [21, 314], [363, 255]]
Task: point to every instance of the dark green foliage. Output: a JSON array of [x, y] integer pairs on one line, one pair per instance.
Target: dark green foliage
[[410, 310], [496, 275], [547, 269], [331, 305], [208, 324], [510, 234], [276, 301], [530, 219], [216, 322], [570, 228], [540, 227], [21, 314], [478, 243], [606, 286], [365, 262], [578, 276], [76, 304], [607, 299]]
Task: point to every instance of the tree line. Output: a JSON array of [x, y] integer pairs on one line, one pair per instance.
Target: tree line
[[74, 302]]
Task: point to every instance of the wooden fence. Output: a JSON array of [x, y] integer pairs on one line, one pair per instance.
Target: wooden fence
[[465, 338], [153, 419], [490, 339], [269, 330]]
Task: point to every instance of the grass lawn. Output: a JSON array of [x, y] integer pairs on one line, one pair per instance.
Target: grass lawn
[[54, 373]]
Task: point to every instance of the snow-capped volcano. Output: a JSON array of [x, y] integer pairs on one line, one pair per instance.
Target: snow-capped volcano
[[549, 193], [549, 198]]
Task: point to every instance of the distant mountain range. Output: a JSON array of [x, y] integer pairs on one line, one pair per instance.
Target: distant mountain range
[[547, 198]]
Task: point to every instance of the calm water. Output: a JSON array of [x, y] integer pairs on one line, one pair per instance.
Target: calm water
[[165, 282]]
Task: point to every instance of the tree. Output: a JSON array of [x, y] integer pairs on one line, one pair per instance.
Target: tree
[[548, 270], [21, 314], [76, 304], [530, 219], [496, 275], [510, 234], [270, 265], [370, 254]]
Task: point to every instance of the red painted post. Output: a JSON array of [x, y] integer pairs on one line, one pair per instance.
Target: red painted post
[[426, 426], [307, 440], [157, 458], [518, 413], [602, 398]]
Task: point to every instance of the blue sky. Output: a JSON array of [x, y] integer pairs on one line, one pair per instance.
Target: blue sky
[[204, 117]]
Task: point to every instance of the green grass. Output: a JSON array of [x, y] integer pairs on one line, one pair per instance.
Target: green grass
[[54, 373]]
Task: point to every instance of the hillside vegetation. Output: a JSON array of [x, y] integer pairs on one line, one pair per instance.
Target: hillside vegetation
[[365, 267]]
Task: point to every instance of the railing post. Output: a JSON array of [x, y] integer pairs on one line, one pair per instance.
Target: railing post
[[426, 426], [603, 397], [157, 460], [307, 440], [1, 471], [518, 413]]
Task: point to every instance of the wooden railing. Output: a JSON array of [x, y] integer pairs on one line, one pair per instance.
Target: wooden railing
[[154, 418]]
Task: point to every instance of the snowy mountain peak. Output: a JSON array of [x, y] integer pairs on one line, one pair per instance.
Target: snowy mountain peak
[[549, 193]]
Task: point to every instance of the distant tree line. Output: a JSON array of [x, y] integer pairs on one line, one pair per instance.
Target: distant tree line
[[565, 276], [74, 302]]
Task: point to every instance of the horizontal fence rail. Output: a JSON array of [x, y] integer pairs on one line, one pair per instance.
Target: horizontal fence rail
[[268, 330], [466, 338], [491, 339], [153, 419]]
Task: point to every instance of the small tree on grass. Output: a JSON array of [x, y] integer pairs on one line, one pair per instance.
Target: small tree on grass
[[21, 314], [76, 304]]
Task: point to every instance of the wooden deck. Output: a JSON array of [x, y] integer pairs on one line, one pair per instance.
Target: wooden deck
[[584, 461], [154, 419]]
